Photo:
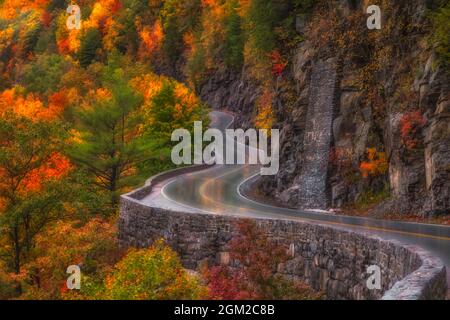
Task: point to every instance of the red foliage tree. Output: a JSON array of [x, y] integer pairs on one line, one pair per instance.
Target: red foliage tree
[[46, 18], [278, 63], [251, 274], [411, 125], [224, 284]]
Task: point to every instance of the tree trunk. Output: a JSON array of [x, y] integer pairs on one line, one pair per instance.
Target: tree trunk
[[17, 249]]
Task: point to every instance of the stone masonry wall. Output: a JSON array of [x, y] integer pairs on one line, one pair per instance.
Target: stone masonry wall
[[327, 258]]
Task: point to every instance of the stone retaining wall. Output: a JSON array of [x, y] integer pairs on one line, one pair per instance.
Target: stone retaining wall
[[327, 258]]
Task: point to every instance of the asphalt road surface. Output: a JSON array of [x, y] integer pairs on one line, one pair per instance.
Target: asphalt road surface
[[217, 190]]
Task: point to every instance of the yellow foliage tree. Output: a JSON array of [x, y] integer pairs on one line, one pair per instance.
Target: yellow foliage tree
[[264, 118]]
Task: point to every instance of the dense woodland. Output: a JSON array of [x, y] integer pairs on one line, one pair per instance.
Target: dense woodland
[[86, 115]]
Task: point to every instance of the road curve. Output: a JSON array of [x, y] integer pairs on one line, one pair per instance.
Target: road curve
[[218, 189]]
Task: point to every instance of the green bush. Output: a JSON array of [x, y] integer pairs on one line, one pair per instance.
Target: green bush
[[369, 198], [152, 274]]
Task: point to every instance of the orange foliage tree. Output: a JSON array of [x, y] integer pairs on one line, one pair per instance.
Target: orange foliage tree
[[31, 107], [151, 39], [91, 245], [375, 165], [32, 172], [67, 41], [10, 9]]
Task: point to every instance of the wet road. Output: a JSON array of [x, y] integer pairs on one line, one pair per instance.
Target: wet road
[[217, 190]]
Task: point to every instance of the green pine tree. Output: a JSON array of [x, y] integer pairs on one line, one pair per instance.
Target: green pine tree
[[260, 20], [91, 42], [234, 37], [111, 146]]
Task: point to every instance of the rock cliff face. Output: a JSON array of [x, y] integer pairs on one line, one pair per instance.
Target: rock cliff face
[[389, 129], [310, 189], [235, 92]]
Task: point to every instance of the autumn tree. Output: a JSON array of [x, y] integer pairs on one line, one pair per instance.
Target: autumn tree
[[127, 37], [178, 17], [196, 65], [173, 106], [251, 273], [173, 37], [151, 39], [376, 164], [32, 187], [110, 146], [30, 35], [90, 244]]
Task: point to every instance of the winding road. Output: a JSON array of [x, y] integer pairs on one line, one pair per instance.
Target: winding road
[[218, 189]]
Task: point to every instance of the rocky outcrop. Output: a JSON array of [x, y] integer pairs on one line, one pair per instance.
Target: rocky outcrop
[[372, 99], [419, 179], [437, 155], [234, 92]]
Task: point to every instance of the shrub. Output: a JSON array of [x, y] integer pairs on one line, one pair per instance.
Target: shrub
[[368, 198], [265, 117], [152, 274], [411, 125], [278, 63]]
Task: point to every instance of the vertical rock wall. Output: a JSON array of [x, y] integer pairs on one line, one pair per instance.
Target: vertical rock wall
[[312, 182]]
